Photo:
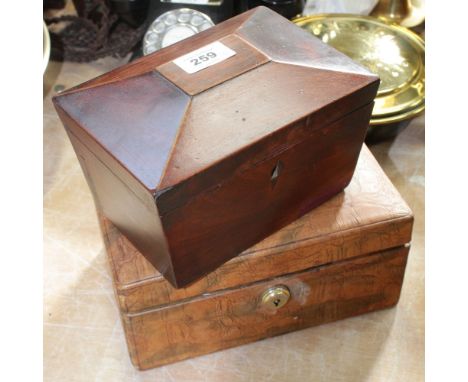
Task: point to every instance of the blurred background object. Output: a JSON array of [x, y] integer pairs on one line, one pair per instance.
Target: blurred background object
[[170, 22], [220, 10], [45, 47], [93, 31], [216, 10], [286, 8], [53, 4], [362, 7], [408, 13], [174, 26], [393, 52], [133, 12]]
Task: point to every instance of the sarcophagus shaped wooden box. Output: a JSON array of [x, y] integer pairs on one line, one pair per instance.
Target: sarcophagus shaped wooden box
[[206, 147], [344, 258]]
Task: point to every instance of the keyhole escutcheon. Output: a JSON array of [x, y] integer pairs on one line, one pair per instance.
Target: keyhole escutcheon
[[276, 171], [275, 297]]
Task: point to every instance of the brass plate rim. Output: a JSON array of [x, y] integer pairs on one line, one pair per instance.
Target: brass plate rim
[[378, 20], [407, 109], [399, 117]]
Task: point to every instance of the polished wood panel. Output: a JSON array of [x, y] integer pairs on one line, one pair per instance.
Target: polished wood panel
[[258, 116], [217, 161], [136, 123]]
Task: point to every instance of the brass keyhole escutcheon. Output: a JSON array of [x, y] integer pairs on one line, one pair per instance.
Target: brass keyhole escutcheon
[[275, 297]]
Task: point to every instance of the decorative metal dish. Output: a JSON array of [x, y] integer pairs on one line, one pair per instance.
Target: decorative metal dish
[[393, 52]]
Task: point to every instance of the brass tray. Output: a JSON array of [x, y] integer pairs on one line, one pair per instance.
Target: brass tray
[[393, 52]]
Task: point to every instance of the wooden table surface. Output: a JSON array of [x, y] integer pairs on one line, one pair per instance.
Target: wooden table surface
[[83, 337]]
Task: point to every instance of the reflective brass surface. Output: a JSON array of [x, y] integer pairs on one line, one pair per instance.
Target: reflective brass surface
[[275, 297], [408, 13], [394, 53]]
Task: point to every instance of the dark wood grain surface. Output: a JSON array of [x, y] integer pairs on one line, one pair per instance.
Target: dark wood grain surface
[[195, 169]]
